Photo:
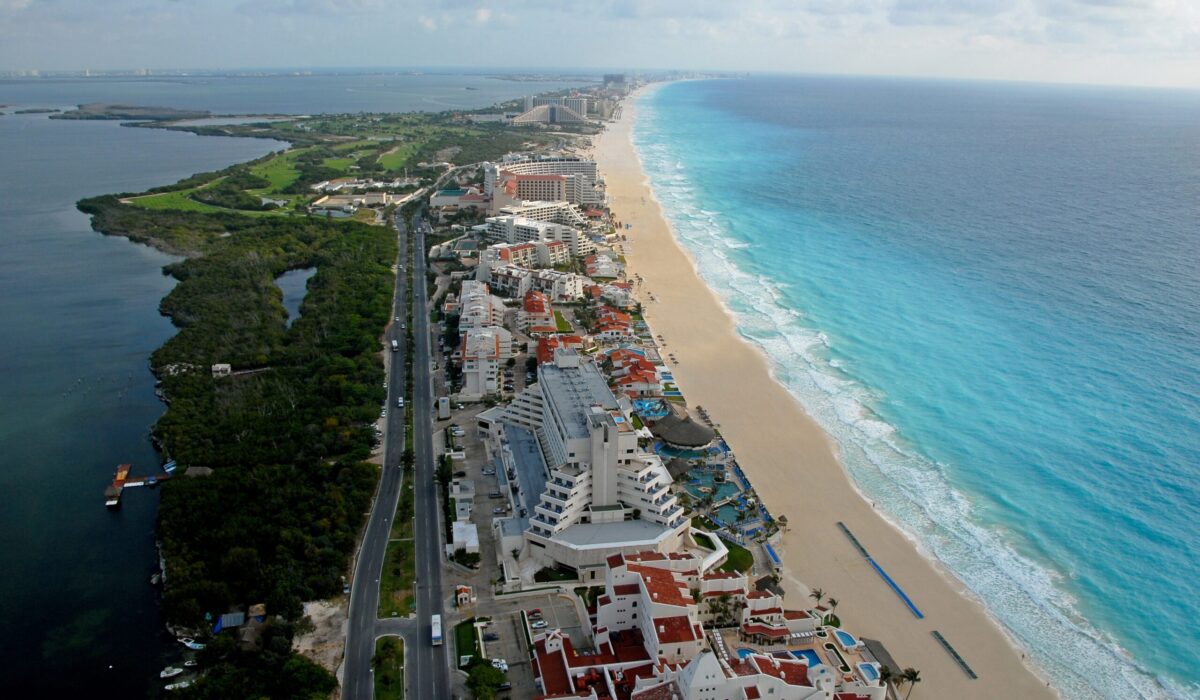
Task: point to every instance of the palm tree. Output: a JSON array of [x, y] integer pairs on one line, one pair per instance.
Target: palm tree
[[885, 673], [817, 594], [832, 602], [912, 676]]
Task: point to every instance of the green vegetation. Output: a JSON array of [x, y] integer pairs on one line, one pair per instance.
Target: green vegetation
[[396, 584], [466, 640], [277, 519], [703, 540], [484, 679], [388, 663], [740, 559], [273, 672], [561, 322], [547, 574]]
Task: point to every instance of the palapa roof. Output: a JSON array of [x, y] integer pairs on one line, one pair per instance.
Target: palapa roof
[[677, 428]]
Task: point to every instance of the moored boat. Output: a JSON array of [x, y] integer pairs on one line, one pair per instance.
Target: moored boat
[[170, 672]]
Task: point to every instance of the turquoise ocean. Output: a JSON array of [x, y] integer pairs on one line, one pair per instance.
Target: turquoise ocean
[[989, 295]]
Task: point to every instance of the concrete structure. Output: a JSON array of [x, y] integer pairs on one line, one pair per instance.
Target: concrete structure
[[550, 114], [563, 213], [603, 495], [549, 178], [536, 313], [465, 536], [509, 228], [477, 308], [483, 353]]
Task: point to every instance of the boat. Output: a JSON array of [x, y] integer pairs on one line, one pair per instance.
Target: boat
[[191, 663], [170, 672], [155, 579], [169, 467], [152, 481], [178, 686], [191, 643]]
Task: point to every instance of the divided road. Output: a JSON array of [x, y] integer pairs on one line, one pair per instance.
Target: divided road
[[427, 665], [357, 678]]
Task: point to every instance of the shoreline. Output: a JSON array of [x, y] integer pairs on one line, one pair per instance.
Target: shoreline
[[751, 405]]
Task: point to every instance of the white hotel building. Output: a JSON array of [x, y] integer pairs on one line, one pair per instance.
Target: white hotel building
[[518, 228], [602, 494]]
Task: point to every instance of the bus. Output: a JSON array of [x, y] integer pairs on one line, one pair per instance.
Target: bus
[[395, 345], [437, 630]]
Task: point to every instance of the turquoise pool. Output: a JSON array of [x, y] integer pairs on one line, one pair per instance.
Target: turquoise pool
[[808, 656], [846, 639], [869, 672], [744, 652]]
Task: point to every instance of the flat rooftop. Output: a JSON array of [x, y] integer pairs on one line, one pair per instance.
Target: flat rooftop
[[573, 391], [602, 535], [530, 471]]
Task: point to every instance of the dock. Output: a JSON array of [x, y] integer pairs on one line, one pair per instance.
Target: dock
[[122, 480]]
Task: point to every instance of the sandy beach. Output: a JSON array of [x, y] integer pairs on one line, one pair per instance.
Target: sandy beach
[[794, 467]]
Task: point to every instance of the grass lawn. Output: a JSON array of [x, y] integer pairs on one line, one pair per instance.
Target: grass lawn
[[740, 559], [466, 639], [338, 163], [396, 158], [280, 170], [396, 585], [561, 322], [703, 540], [389, 668], [174, 200]]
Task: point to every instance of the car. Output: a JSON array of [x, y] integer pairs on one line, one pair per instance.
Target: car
[[500, 664], [499, 511], [459, 475], [491, 637], [504, 686], [385, 385], [397, 318], [383, 414], [400, 402], [495, 494], [539, 624], [536, 612], [403, 326], [345, 588]]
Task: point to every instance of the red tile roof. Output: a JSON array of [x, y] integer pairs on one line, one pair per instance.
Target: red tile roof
[[626, 589], [673, 630], [764, 630], [790, 672], [715, 575]]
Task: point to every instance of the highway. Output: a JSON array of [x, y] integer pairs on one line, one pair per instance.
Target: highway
[[357, 681], [427, 665]]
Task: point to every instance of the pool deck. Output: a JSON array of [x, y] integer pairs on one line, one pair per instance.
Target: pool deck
[[853, 657]]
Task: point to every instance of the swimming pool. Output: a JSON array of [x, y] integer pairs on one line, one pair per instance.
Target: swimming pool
[[869, 673], [846, 639], [744, 652], [808, 656]]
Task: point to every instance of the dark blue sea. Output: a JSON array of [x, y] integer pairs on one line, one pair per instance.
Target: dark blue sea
[[79, 319], [989, 295]]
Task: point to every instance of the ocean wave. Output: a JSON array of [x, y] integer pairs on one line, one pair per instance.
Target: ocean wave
[[911, 491]]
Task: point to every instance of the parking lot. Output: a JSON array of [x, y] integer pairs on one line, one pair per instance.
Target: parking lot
[[504, 639]]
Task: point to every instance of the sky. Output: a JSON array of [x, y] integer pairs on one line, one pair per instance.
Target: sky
[[1130, 42]]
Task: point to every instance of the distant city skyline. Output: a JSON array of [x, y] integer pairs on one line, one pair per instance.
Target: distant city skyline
[[1133, 42]]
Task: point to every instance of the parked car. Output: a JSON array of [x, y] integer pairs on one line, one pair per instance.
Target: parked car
[[495, 494], [459, 475], [539, 624], [499, 511], [491, 637]]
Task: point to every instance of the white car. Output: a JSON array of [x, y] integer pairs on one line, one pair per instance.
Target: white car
[[539, 624], [500, 664]]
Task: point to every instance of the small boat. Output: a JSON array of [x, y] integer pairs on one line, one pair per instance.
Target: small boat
[[170, 672], [169, 467], [152, 481], [155, 579], [178, 686], [191, 643], [191, 663]]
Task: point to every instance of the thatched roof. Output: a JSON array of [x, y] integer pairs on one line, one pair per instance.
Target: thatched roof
[[679, 430], [677, 467]]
